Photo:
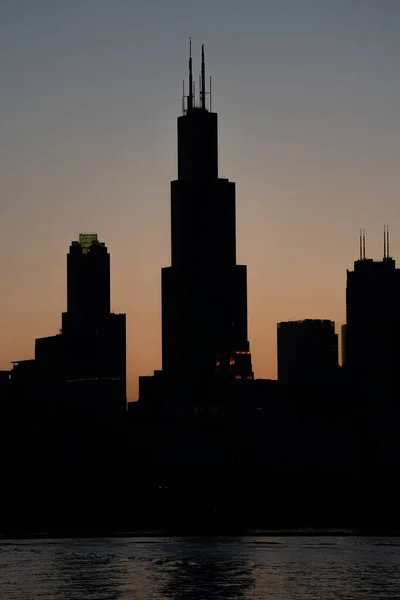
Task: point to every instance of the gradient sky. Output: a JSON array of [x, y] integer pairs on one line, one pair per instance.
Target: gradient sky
[[308, 96]]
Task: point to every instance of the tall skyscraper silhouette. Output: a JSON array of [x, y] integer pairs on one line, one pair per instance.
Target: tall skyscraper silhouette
[[204, 291], [372, 350]]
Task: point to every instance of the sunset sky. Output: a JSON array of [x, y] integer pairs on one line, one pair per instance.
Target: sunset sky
[[308, 96]]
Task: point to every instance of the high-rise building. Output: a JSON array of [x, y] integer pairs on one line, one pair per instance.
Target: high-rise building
[[372, 351], [93, 338], [81, 372], [306, 349], [204, 291], [88, 277]]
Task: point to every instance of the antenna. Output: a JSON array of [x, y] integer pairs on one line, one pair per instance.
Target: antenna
[[360, 244], [387, 241], [364, 244], [190, 96], [210, 96], [203, 79], [384, 242]]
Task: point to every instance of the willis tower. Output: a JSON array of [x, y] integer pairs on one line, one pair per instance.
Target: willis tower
[[204, 291]]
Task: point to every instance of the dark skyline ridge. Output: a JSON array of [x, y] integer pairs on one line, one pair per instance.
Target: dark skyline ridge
[[206, 442]]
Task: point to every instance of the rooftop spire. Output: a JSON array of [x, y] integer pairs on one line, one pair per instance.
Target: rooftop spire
[[190, 96], [362, 244], [203, 80], [387, 242], [384, 241], [386, 251]]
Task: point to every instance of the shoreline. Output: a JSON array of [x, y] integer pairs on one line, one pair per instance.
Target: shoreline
[[245, 533]]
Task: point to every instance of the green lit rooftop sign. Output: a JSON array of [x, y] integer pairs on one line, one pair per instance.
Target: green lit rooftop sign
[[88, 239]]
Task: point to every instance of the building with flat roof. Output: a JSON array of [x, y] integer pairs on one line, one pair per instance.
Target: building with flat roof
[[372, 343], [306, 349]]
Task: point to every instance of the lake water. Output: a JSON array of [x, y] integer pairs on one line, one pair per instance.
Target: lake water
[[260, 568]]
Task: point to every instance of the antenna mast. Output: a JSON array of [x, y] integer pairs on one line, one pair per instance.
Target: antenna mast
[[192, 100], [384, 242], [203, 79], [190, 96]]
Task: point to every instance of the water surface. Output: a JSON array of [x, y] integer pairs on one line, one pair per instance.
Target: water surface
[[213, 568]]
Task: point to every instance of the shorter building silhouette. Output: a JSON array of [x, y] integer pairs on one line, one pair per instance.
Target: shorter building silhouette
[[372, 348], [94, 339], [88, 278], [80, 373], [307, 349]]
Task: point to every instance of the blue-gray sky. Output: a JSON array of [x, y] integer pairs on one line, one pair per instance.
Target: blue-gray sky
[[308, 95]]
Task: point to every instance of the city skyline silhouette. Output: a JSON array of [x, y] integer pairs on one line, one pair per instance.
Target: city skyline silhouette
[[207, 441], [307, 101]]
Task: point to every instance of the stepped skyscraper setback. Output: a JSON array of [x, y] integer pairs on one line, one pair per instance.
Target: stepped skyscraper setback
[[204, 291]]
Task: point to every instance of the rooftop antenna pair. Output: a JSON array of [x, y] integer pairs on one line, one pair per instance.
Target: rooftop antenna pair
[[191, 97], [386, 243]]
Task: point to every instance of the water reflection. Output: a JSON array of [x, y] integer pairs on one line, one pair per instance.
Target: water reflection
[[87, 572], [201, 569], [208, 568]]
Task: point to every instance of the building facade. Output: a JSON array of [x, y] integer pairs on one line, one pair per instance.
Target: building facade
[[204, 291], [306, 349], [372, 347]]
